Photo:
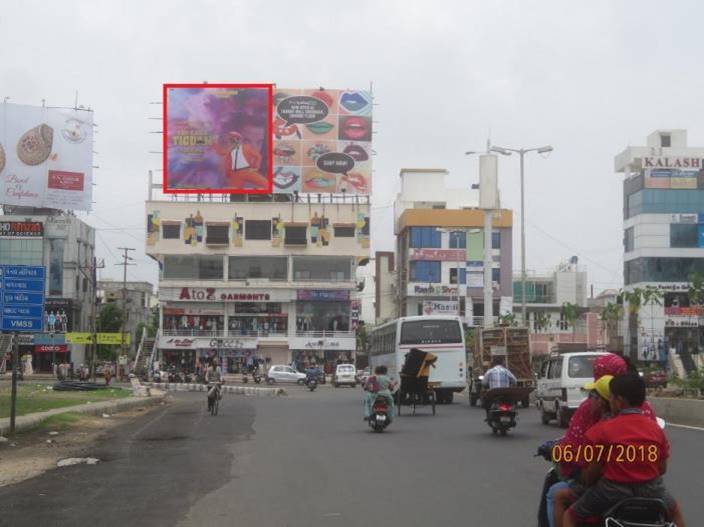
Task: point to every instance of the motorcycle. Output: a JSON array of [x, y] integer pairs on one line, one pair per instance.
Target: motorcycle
[[380, 417], [256, 376], [245, 378], [156, 377], [501, 415], [312, 384], [630, 512]]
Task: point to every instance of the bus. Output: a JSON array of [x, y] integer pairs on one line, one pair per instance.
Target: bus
[[441, 335]]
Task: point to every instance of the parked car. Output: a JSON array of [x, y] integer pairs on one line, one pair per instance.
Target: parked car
[[656, 379], [559, 387], [281, 373], [345, 374]]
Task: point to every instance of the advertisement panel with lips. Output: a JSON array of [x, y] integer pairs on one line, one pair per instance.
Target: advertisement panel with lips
[[322, 141], [46, 157]]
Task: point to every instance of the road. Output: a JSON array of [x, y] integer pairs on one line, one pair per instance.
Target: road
[[309, 460]]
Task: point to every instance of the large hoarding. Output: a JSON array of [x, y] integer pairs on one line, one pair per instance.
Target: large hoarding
[[673, 172], [322, 141], [217, 138], [46, 157]]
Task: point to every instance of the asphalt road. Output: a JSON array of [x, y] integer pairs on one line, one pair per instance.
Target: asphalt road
[[309, 460]]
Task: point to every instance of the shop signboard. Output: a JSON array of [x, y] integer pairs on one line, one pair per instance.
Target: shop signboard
[[102, 338], [49, 348], [444, 255], [219, 343], [320, 343], [441, 307], [21, 229], [49, 338], [323, 295], [222, 294], [22, 304], [415, 289]]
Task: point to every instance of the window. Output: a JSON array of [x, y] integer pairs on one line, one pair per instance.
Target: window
[[664, 201], [424, 271], [684, 235], [661, 269], [496, 240], [22, 252], [217, 234], [431, 332], [295, 235], [171, 231], [453, 275], [343, 231], [665, 140], [324, 268], [322, 316], [271, 267], [56, 267], [555, 369], [458, 240], [581, 366], [496, 275], [85, 285], [424, 237], [257, 230], [628, 239], [193, 268]]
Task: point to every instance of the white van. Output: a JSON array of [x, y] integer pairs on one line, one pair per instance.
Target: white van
[[344, 374], [559, 389]]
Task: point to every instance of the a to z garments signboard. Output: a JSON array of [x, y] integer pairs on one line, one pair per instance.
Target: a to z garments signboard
[[46, 157]]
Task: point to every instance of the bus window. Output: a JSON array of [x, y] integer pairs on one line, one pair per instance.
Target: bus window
[[431, 332]]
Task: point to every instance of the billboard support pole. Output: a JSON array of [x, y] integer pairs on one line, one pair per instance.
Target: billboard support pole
[[13, 403]]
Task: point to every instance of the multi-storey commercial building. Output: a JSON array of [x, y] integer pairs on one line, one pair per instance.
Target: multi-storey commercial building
[[139, 301], [663, 208], [65, 245], [440, 249], [258, 277]]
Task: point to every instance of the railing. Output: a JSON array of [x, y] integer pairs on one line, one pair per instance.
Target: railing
[[141, 345], [479, 321], [155, 350], [325, 334], [222, 333]]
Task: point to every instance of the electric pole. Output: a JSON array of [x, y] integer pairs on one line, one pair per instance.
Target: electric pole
[[90, 272], [125, 262]]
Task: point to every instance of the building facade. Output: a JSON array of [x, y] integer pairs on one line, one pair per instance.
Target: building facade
[[440, 249], [65, 246], [258, 278], [139, 296], [663, 210]]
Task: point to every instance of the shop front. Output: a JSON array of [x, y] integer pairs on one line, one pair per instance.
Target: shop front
[[323, 311], [323, 351]]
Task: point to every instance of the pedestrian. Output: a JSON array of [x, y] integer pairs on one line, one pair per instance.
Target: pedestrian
[[106, 374]]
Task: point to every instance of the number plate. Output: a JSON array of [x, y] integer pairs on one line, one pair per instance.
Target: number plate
[[381, 417], [505, 419]]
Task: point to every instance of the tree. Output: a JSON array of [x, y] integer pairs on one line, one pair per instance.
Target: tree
[[508, 319], [109, 321], [570, 313], [696, 289], [637, 298], [541, 321], [610, 316]]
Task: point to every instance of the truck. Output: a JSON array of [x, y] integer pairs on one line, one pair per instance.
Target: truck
[[510, 343]]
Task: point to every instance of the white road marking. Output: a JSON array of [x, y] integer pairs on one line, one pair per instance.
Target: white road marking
[[687, 427]]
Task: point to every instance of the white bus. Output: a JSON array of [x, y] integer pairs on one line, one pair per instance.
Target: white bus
[[441, 335]]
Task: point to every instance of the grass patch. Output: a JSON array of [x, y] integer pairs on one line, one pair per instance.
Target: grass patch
[[34, 397]]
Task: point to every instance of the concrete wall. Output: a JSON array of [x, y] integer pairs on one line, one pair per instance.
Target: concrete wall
[[679, 411]]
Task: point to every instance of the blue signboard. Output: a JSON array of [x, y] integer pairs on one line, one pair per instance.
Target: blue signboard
[[22, 301], [49, 339]]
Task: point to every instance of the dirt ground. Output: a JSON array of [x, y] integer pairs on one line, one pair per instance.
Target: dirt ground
[[31, 453]]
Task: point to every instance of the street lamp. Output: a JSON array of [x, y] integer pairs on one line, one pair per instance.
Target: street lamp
[[522, 152]]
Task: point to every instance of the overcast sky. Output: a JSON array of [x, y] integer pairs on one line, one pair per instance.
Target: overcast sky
[[587, 77]]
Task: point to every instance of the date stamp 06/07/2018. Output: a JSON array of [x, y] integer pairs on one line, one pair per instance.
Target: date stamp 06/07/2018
[[606, 453]]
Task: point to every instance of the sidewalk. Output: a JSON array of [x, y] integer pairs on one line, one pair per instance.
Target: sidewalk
[[25, 422]]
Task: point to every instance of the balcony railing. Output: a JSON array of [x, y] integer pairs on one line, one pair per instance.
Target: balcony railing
[[222, 333], [325, 334]]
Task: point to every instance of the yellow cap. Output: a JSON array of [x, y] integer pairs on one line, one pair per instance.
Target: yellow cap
[[601, 386]]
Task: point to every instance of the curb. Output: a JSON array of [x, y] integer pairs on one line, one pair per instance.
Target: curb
[[25, 422], [196, 387], [677, 410]]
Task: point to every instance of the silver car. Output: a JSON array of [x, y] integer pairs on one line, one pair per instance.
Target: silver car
[[281, 373]]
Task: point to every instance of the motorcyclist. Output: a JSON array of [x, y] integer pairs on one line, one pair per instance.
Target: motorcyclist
[[379, 384], [497, 376], [213, 376]]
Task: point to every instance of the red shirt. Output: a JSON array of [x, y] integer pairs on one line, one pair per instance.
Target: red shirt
[[633, 446]]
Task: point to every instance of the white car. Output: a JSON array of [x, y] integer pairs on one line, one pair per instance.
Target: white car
[[559, 388], [281, 373], [345, 374]]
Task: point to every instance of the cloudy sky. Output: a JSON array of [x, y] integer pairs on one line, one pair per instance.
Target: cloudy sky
[[588, 77]]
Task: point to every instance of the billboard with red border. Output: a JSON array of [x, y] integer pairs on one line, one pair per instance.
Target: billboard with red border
[[218, 138]]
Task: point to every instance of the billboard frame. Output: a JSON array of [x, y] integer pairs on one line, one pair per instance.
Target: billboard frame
[[165, 153]]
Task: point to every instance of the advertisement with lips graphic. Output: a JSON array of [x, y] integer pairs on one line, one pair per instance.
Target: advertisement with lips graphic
[[322, 141], [46, 157]]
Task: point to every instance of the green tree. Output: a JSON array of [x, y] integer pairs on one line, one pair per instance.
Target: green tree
[[570, 313], [541, 321], [639, 297], [696, 289], [109, 321], [610, 316], [508, 319]]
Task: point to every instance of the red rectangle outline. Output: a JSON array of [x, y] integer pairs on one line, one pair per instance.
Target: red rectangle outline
[[166, 190]]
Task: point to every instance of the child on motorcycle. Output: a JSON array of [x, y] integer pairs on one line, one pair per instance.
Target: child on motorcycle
[[631, 453]]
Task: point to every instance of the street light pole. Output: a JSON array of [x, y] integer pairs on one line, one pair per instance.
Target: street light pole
[[522, 152]]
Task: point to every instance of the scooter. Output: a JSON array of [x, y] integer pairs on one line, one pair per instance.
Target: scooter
[[380, 417], [631, 512], [312, 384], [256, 376], [501, 415]]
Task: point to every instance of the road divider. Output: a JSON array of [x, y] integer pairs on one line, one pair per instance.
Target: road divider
[[678, 410], [197, 387]]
